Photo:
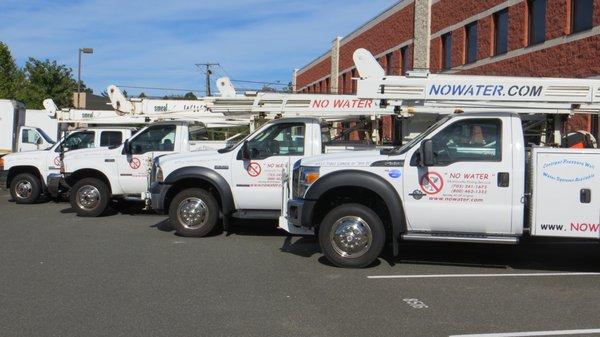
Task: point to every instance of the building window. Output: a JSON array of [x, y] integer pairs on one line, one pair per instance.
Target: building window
[[354, 82], [582, 15], [501, 32], [389, 62], [343, 83], [328, 86], [447, 51], [537, 21], [471, 32], [405, 60]]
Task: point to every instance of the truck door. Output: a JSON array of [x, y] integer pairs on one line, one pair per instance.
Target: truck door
[[468, 189], [134, 167], [29, 139], [257, 182]]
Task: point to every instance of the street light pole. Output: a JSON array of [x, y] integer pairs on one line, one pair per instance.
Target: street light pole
[[81, 51]]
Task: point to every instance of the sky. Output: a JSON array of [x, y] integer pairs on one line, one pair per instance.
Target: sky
[[153, 43]]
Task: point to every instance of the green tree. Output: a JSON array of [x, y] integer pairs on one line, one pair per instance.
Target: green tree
[[288, 88], [142, 95], [47, 79], [190, 96], [11, 77]]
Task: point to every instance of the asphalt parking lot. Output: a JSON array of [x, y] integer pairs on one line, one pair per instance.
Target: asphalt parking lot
[[128, 275]]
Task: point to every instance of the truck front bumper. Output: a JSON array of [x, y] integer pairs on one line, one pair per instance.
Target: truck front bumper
[[158, 194], [56, 184], [300, 212], [3, 179]]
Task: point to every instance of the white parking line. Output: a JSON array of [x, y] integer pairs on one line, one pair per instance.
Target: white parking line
[[536, 333], [479, 275]]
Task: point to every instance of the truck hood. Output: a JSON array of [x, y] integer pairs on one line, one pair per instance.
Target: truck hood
[[28, 156], [349, 159], [189, 159], [92, 152]]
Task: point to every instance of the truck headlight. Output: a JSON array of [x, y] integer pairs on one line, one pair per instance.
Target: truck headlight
[[307, 176], [158, 175]]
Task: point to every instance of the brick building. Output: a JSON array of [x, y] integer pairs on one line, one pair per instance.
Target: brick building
[[552, 38]]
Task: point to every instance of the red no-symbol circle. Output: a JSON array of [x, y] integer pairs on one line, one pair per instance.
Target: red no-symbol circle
[[432, 183], [57, 161], [135, 163], [254, 169]]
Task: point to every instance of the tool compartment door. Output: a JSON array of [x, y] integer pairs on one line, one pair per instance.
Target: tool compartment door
[[565, 193]]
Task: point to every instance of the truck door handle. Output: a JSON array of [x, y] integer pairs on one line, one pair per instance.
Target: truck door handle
[[503, 179], [585, 196]]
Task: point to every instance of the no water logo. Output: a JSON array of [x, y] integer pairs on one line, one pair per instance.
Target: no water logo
[[57, 161], [254, 169], [432, 183], [135, 163]]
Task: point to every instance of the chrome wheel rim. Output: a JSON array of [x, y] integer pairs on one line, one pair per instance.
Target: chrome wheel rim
[[88, 197], [192, 213], [351, 237], [23, 189]]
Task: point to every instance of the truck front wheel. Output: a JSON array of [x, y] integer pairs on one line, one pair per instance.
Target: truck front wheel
[[194, 212], [352, 236], [90, 197], [25, 188]]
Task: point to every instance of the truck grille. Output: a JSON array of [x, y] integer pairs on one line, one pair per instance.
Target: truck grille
[[295, 180]]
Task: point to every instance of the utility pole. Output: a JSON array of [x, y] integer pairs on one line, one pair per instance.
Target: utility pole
[[208, 73]]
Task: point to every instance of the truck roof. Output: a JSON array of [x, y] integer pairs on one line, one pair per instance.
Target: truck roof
[[488, 114], [294, 120]]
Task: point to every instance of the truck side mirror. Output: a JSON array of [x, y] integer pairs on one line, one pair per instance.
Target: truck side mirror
[[426, 153], [245, 152], [126, 147]]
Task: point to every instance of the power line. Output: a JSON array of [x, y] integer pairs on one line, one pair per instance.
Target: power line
[[278, 83], [164, 89]]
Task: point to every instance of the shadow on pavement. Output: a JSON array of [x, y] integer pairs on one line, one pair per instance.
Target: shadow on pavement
[[536, 254]]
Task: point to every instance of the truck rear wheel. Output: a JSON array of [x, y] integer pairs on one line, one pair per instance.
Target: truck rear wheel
[[194, 212], [352, 236], [25, 188], [90, 197]]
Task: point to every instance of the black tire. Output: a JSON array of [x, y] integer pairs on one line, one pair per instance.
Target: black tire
[[98, 208], [210, 220], [361, 259], [30, 188]]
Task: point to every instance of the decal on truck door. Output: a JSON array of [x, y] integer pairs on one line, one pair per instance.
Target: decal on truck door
[[432, 183], [254, 169], [135, 163], [461, 187]]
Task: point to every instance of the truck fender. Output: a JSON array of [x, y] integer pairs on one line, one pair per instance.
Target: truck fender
[[369, 181], [15, 170], [209, 176]]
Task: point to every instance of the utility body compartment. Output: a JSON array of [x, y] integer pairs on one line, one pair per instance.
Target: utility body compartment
[[565, 193]]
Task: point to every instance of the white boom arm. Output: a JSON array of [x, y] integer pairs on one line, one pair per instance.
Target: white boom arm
[[439, 93]]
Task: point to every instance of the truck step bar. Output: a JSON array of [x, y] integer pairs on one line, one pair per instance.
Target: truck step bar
[[461, 237]]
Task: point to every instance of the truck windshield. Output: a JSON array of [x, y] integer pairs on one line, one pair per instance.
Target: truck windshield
[[404, 148], [45, 136]]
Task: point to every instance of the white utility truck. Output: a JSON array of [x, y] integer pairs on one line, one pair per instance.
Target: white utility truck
[[95, 176], [245, 180], [26, 173], [471, 177], [15, 134]]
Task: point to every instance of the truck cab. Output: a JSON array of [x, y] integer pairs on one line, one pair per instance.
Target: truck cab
[[469, 178], [244, 180], [98, 175], [15, 134], [26, 173]]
